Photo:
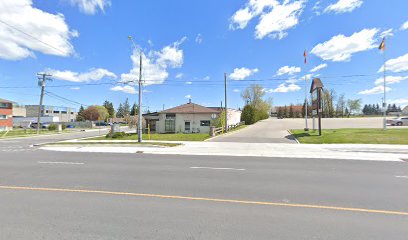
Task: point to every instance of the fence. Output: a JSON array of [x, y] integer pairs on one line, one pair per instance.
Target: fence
[[214, 131]]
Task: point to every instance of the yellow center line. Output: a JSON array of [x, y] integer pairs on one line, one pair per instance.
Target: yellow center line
[[207, 199]]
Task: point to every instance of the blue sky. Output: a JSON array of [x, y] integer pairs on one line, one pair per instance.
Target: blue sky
[[189, 45]]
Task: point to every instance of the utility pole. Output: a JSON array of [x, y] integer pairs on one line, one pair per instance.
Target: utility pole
[[139, 124], [42, 77], [226, 106]]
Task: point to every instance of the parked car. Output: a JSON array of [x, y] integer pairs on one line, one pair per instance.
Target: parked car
[[398, 121], [98, 124], [43, 125], [70, 126]]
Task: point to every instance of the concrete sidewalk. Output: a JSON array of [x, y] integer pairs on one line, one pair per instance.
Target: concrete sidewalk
[[332, 151]]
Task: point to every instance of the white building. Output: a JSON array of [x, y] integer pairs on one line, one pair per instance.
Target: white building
[[192, 118]]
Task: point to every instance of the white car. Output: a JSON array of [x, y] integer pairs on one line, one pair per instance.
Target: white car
[[398, 121]]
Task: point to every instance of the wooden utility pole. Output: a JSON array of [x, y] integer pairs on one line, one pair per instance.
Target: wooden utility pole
[[42, 77], [226, 106]]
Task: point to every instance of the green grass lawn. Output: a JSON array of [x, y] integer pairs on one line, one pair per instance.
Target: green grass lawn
[[26, 133], [357, 135], [162, 137]]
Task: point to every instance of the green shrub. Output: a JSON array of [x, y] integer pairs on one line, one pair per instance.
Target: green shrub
[[116, 135], [52, 127], [64, 126], [248, 115]]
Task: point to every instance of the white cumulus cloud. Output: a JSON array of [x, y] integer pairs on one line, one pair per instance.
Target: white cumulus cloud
[[155, 64], [242, 73], [179, 75], [375, 90], [91, 6], [199, 38], [288, 70], [126, 89], [283, 88], [404, 26], [399, 64], [276, 22], [236, 90], [206, 78], [340, 48], [188, 83], [390, 80], [274, 18], [319, 67], [25, 29], [188, 96], [400, 101], [94, 74], [343, 6]]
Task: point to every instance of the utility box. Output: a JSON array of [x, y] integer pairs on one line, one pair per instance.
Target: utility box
[[115, 128], [59, 128]]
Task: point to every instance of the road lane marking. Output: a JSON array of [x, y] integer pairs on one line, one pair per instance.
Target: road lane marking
[[401, 176], [217, 168], [67, 163], [147, 195]]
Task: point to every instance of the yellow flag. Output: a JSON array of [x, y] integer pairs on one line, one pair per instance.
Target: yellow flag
[[382, 45]]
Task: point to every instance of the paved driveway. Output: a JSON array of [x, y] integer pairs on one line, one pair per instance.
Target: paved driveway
[[267, 131], [274, 130]]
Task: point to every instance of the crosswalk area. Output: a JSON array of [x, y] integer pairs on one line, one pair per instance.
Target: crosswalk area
[[10, 148]]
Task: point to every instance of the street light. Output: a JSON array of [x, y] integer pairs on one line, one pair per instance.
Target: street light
[[139, 125]]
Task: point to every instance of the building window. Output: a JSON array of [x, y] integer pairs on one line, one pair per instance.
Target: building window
[[56, 112], [3, 105], [64, 112], [205, 123], [170, 115], [187, 126], [3, 116]]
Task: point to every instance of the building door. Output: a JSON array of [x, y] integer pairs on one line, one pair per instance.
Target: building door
[[170, 126], [187, 126]]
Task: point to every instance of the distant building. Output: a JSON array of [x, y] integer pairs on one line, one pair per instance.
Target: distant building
[[19, 110], [6, 115], [405, 110], [65, 114], [190, 118]]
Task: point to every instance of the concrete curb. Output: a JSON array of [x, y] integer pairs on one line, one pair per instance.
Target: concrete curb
[[297, 141]]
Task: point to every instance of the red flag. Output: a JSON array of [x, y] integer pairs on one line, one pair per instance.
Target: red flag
[[305, 55]]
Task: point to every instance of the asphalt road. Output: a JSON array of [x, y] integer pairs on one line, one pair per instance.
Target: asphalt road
[[239, 197]]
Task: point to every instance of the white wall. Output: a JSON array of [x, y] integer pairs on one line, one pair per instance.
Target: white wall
[[181, 118], [233, 116]]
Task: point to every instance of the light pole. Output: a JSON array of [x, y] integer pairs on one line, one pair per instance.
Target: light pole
[[139, 124]]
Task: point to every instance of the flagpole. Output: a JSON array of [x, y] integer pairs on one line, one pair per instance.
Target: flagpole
[[385, 90]]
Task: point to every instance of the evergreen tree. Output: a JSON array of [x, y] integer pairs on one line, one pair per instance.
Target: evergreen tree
[[109, 106], [80, 117], [126, 108], [135, 110], [291, 113], [120, 114]]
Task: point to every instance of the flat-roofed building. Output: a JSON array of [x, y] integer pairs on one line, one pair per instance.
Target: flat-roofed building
[[65, 114]]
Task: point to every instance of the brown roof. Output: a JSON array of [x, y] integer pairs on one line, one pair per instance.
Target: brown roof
[[5, 101], [190, 108]]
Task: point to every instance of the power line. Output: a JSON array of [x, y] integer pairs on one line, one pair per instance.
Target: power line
[[51, 94], [35, 38]]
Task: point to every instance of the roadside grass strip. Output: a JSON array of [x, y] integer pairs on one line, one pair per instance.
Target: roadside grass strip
[[353, 135]]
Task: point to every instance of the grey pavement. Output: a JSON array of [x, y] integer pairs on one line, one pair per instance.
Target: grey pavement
[[24, 143], [274, 130], [271, 130], [33, 214]]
